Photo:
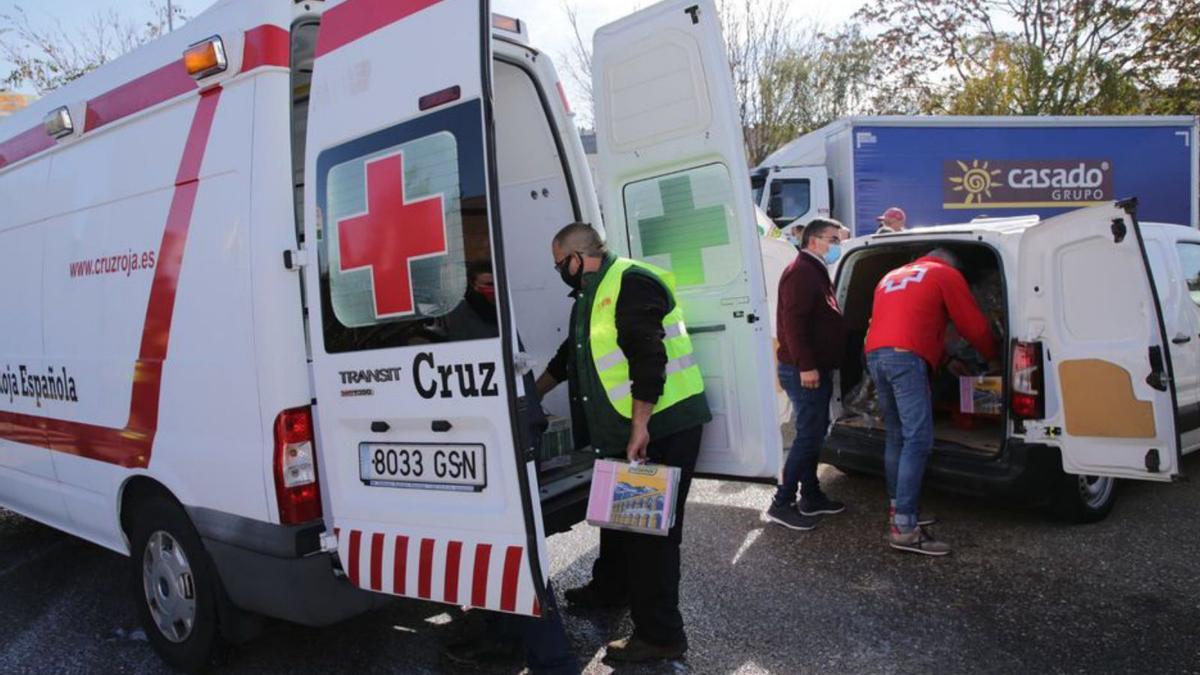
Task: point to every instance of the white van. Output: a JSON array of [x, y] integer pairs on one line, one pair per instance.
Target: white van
[[1102, 366], [230, 259]]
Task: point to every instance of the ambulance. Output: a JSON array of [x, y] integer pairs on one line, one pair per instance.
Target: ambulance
[[230, 260]]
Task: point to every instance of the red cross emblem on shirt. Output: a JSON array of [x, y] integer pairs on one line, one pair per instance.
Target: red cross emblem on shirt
[[898, 280], [390, 235]]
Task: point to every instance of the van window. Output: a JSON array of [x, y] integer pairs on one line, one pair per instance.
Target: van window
[[403, 220], [1189, 258], [681, 221]]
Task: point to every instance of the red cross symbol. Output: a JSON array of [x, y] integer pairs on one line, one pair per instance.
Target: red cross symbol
[[899, 280], [390, 235]]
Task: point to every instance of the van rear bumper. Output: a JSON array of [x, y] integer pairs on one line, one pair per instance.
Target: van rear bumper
[[279, 571], [1025, 472]]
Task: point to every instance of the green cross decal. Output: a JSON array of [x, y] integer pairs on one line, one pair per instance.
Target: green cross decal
[[683, 231]]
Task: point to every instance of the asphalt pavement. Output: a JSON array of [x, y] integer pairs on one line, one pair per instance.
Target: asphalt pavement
[[1021, 593]]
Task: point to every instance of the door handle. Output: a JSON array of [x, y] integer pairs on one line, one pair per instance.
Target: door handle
[[1181, 339]]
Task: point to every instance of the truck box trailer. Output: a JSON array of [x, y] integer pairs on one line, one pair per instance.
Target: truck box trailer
[[944, 170]]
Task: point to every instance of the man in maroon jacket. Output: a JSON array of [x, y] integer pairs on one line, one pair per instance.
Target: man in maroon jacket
[[904, 345], [812, 337]]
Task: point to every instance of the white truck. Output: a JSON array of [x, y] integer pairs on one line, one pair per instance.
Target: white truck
[[946, 170], [228, 260]]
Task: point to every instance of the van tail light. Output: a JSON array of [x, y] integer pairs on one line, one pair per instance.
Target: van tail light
[[1028, 399], [296, 487]]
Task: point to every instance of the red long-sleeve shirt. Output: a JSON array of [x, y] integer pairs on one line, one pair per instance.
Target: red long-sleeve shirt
[[912, 304]]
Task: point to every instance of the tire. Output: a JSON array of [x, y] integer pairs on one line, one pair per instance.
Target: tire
[[1084, 499], [175, 586]]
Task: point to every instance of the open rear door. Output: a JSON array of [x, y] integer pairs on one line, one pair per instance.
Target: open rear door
[[1088, 297], [421, 479], [676, 193]]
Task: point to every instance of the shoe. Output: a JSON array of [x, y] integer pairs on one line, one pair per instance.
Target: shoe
[[819, 505], [588, 596], [789, 517], [923, 519], [484, 651], [919, 540], [635, 650]]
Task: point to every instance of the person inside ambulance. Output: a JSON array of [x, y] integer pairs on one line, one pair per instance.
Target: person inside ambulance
[[633, 377], [475, 317], [904, 347]]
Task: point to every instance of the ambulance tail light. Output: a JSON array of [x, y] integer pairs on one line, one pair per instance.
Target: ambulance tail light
[[296, 487], [205, 58], [1028, 400], [562, 94]]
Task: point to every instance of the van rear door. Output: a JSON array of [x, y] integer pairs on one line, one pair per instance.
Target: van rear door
[[422, 480], [675, 190], [1087, 295]]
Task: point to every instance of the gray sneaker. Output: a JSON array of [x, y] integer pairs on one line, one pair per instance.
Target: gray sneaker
[[789, 517], [918, 540]]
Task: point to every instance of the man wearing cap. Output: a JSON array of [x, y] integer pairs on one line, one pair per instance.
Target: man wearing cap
[[892, 220]]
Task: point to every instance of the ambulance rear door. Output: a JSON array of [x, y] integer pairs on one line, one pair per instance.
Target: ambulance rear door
[[675, 189], [423, 483], [1088, 304]]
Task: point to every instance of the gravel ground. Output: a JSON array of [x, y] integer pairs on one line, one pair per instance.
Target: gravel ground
[[1020, 594]]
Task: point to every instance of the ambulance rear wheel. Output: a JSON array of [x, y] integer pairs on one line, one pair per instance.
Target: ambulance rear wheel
[[176, 587]]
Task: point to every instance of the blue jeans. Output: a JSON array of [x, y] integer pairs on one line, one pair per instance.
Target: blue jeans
[[811, 407], [902, 384]]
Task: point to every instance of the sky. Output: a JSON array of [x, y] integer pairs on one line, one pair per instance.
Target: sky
[[548, 26]]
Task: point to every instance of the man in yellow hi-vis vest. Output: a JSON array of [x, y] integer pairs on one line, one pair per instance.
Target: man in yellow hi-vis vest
[[637, 393]]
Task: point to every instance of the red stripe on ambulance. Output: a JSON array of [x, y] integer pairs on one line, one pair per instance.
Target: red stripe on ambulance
[[467, 578], [25, 144], [266, 45], [400, 566], [354, 19], [148, 90]]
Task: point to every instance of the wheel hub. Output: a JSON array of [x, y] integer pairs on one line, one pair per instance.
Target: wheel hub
[[169, 586]]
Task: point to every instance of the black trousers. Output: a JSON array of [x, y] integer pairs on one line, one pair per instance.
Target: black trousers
[[644, 566]]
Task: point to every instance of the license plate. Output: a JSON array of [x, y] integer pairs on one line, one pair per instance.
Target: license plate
[[423, 466]]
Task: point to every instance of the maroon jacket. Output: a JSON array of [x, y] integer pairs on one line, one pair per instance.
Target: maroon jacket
[[808, 321]]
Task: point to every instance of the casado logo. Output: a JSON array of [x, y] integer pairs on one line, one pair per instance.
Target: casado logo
[[981, 184]]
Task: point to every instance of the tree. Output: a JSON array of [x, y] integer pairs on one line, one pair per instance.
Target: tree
[[1025, 57], [46, 58], [1166, 68]]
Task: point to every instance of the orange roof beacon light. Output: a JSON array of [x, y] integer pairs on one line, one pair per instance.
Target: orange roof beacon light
[[506, 23], [58, 123], [205, 58]]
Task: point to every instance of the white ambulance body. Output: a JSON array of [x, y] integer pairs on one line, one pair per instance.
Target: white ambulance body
[[230, 279]]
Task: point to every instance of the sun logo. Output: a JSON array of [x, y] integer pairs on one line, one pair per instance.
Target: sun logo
[[977, 181]]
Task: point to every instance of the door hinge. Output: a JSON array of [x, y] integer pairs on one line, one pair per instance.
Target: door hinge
[[1152, 461], [694, 12], [753, 318], [1118, 230], [295, 259]]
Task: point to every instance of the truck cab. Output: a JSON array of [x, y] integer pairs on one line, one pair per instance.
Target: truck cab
[[793, 195], [1098, 381]]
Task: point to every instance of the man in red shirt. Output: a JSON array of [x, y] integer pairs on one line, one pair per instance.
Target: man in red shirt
[[904, 346]]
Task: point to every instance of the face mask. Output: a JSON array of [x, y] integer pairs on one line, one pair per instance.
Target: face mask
[[488, 292], [564, 270], [832, 255], [791, 238]]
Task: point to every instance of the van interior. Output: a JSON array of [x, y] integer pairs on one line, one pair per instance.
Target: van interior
[[536, 200], [969, 416]]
